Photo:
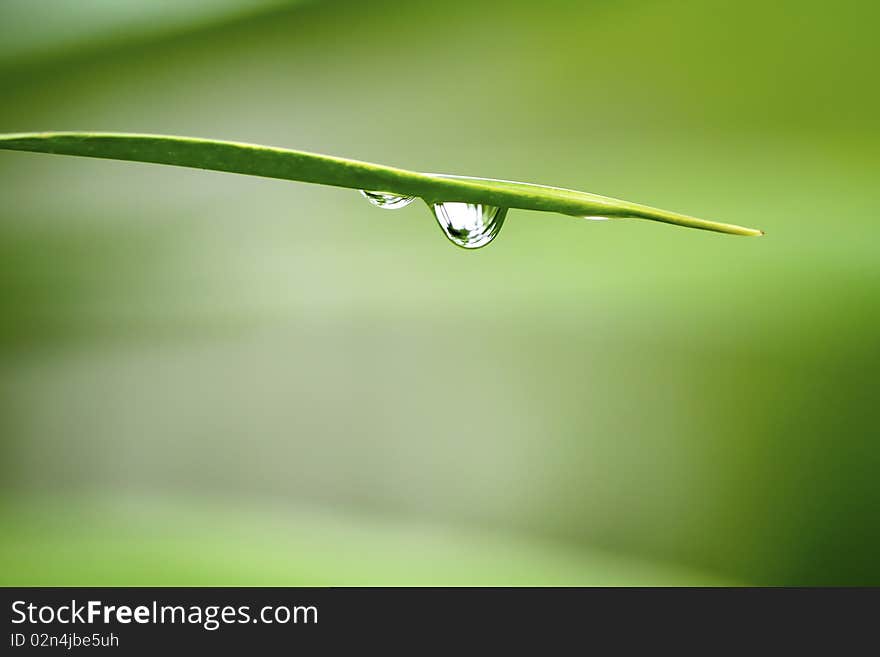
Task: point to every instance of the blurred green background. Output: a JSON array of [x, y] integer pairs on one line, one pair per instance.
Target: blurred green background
[[214, 379]]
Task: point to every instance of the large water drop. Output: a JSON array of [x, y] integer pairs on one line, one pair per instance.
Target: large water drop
[[387, 200], [469, 225]]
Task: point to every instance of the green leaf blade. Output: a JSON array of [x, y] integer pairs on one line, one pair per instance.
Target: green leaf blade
[[302, 166]]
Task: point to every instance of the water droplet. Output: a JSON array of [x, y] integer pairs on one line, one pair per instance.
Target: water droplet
[[469, 225], [387, 200], [597, 218]]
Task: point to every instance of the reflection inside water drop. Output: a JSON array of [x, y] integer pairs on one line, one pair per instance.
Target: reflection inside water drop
[[467, 224], [387, 200], [597, 218]]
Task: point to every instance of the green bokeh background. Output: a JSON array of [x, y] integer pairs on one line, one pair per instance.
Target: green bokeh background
[[214, 379]]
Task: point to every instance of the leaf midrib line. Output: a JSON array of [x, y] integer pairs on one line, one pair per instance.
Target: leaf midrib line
[[302, 166]]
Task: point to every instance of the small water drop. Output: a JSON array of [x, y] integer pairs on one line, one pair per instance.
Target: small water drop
[[387, 200], [467, 224], [597, 218]]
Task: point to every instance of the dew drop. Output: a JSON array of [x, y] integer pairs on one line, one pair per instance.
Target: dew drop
[[387, 200], [469, 225]]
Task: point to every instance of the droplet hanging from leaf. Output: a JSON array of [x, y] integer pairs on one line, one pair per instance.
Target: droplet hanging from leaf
[[469, 225], [387, 200]]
